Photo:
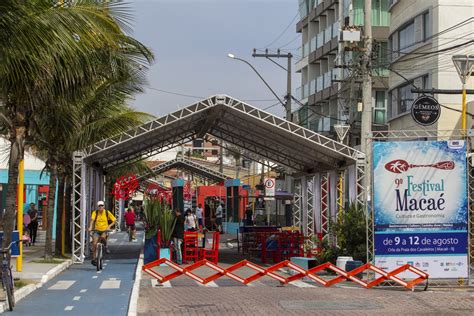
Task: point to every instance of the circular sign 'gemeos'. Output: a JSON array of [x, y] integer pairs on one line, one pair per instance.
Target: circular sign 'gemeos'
[[425, 110]]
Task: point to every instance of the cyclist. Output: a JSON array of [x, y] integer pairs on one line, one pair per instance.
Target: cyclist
[[130, 221], [101, 221]]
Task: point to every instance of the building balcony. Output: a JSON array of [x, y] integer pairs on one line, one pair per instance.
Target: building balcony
[[325, 42], [319, 7], [324, 87]]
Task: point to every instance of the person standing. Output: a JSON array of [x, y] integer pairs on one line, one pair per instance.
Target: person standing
[[190, 220], [178, 235], [199, 215], [219, 213], [248, 217], [33, 226]]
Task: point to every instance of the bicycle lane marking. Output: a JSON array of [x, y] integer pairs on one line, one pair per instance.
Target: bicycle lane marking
[[62, 285]]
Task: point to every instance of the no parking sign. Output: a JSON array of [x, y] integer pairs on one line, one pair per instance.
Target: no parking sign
[[269, 186]]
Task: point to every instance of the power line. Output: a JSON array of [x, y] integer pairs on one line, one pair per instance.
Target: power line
[[456, 26], [201, 97], [177, 93], [288, 43], [431, 52], [283, 32], [268, 107]]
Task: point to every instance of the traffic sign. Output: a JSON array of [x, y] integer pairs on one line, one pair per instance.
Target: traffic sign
[[269, 187]]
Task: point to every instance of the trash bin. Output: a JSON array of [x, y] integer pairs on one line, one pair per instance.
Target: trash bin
[[352, 264]]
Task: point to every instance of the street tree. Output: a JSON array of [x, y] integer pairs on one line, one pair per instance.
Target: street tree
[[48, 52]]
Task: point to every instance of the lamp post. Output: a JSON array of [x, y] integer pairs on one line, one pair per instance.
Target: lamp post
[[464, 65], [232, 56]]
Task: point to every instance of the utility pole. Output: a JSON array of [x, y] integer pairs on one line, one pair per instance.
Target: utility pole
[[288, 78], [366, 122]]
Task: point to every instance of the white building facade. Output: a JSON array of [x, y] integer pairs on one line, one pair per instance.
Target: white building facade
[[424, 35]]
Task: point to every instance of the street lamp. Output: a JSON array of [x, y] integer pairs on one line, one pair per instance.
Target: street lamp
[[232, 56], [464, 65]]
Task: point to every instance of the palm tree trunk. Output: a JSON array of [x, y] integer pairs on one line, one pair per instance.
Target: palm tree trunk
[[48, 247], [237, 169], [60, 214], [17, 141]]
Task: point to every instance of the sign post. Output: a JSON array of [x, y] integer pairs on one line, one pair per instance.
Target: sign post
[[421, 206]]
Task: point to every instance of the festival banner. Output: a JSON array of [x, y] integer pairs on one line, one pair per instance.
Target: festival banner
[[420, 205]]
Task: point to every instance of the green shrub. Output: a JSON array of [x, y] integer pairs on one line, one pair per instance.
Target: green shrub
[[158, 215], [351, 234]]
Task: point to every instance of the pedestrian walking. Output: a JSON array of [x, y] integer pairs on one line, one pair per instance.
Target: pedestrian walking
[[219, 213], [26, 231], [130, 222], [178, 235], [199, 215], [33, 226]]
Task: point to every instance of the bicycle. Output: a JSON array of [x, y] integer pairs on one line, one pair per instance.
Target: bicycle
[[100, 249], [7, 277]]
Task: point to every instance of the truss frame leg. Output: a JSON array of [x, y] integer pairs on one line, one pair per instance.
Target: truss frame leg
[[325, 216], [361, 200], [297, 222], [117, 213], [78, 207], [310, 224]]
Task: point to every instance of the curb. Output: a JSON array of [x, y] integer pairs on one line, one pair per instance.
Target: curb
[[30, 288], [133, 305]]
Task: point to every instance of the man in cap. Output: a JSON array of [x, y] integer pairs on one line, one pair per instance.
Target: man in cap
[[101, 221]]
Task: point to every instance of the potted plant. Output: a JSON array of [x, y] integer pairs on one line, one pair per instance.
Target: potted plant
[[159, 225]]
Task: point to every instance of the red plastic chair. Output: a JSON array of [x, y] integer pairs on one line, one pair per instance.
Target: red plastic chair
[[213, 253], [190, 247]]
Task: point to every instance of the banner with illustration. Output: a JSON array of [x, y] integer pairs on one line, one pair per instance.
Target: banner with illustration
[[420, 205]]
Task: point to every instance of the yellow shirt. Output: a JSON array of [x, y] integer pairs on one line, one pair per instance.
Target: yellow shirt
[[101, 222]]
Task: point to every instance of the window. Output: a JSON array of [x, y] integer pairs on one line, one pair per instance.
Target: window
[[303, 116], [406, 36], [380, 110], [382, 60], [380, 14], [426, 82], [405, 98], [426, 26]]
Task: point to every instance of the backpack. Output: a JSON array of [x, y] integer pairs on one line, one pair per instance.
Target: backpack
[[109, 221]]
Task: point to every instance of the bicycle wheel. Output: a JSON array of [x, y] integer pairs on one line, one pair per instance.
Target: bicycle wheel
[[98, 256], [102, 257], [8, 285]]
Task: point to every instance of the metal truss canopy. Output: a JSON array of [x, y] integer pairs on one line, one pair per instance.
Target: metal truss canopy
[[235, 122], [187, 165]]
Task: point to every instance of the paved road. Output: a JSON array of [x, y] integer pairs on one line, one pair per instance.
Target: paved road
[[183, 296], [81, 290]]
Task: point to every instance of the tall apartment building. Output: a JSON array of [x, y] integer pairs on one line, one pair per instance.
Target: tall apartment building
[[417, 29], [330, 69]]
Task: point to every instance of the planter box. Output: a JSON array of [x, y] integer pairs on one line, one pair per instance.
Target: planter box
[[151, 251]]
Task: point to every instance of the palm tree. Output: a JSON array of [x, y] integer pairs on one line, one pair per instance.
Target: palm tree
[[236, 153], [49, 52], [79, 124]]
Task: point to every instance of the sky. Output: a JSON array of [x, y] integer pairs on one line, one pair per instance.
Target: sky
[[191, 40]]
